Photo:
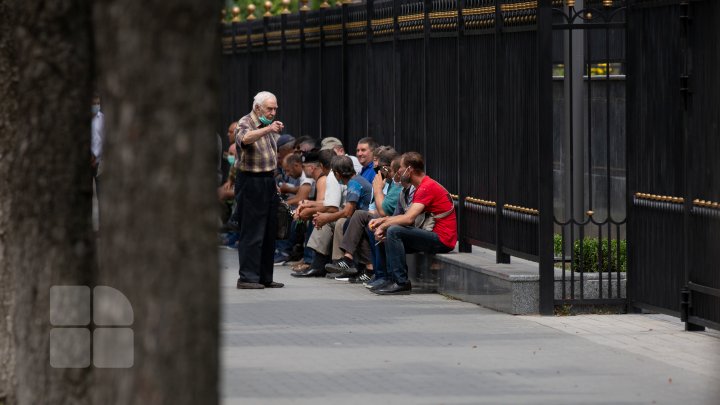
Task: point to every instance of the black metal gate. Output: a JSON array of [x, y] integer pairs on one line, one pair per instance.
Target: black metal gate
[[674, 182]]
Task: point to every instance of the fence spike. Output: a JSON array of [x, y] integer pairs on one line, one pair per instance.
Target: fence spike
[[250, 12], [268, 6], [286, 7], [236, 14]]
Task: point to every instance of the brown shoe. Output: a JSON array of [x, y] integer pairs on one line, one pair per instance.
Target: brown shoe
[[249, 286], [273, 284], [301, 267]]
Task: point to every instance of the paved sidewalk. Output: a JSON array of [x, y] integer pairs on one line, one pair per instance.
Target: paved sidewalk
[[320, 341]]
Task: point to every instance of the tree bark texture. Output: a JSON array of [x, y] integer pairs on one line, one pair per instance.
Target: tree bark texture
[[8, 133], [46, 228], [158, 63]]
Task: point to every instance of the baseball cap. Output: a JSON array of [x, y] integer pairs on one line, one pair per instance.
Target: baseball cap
[[330, 143], [285, 139]]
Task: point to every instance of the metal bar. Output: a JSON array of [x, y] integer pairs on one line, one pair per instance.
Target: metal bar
[[589, 26], [303, 17], [426, 71], [343, 76], [397, 90], [592, 301], [283, 62], [520, 254], [500, 256], [369, 58], [321, 82], [462, 132], [695, 320], [703, 289]]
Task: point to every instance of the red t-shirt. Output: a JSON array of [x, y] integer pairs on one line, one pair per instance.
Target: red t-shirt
[[437, 201]]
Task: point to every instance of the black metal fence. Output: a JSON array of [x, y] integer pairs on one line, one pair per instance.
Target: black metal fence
[[674, 170], [469, 84]]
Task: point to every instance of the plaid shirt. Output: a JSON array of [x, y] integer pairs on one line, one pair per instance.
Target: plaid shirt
[[260, 156]]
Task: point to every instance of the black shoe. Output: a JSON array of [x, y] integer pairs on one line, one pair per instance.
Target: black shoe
[[311, 273], [363, 277], [242, 285], [394, 289], [343, 265], [273, 284], [384, 284]]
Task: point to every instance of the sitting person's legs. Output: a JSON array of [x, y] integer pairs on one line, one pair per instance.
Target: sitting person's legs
[[404, 239]]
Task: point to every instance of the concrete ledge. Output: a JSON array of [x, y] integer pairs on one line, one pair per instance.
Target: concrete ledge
[[512, 288]]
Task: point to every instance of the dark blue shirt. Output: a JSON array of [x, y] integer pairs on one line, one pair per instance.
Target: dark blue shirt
[[368, 172]]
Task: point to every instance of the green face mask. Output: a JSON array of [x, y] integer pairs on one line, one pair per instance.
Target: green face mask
[[264, 120], [231, 160]]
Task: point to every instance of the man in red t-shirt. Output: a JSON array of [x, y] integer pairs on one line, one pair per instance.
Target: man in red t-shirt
[[399, 232]]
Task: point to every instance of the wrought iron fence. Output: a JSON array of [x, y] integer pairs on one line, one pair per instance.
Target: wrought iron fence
[[516, 107]]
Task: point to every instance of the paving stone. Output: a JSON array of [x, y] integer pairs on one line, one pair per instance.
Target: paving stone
[[320, 341]]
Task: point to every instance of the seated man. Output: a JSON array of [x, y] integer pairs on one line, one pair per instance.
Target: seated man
[[316, 166], [357, 195], [355, 244], [403, 237]]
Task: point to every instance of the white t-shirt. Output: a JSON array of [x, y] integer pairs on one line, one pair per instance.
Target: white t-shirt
[[356, 164], [334, 192], [305, 180]]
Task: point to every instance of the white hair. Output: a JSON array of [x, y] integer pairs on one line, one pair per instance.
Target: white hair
[[261, 98]]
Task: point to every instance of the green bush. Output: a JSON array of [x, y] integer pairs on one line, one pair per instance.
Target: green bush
[[585, 252]]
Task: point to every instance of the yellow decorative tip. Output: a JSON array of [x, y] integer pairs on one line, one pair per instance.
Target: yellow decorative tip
[[607, 3], [250, 12], [268, 6], [286, 6], [590, 213], [304, 6], [236, 14]]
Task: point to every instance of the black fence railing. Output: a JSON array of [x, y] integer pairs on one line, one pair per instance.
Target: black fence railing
[[674, 170], [520, 110], [454, 80]]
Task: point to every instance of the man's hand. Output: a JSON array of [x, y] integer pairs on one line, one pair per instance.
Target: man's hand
[[93, 161], [320, 219], [276, 127], [374, 224]]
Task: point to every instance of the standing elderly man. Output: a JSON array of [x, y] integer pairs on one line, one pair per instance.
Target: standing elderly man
[[256, 138]]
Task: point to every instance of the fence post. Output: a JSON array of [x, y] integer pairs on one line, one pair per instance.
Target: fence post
[[248, 53], [343, 76], [500, 256], [283, 57], [426, 67], [233, 65], [462, 132], [397, 90], [369, 36], [321, 47], [545, 158], [303, 15]]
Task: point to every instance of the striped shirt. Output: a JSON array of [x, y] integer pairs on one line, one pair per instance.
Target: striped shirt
[[259, 156]]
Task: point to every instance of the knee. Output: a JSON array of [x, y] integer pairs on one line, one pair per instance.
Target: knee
[[394, 231]]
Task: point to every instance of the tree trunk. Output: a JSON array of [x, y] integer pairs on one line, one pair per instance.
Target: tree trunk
[[8, 136], [46, 226], [158, 63]]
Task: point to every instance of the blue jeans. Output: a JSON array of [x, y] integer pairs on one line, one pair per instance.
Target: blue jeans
[[378, 257], [406, 239], [308, 254]]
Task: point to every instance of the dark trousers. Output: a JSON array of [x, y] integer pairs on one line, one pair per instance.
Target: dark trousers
[[257, 207], [407, 239], [355, 239]]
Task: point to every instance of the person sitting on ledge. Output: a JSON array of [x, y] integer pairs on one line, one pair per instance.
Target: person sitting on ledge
[[401, 236]]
